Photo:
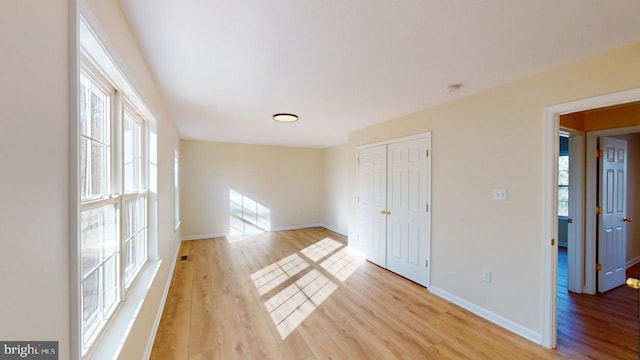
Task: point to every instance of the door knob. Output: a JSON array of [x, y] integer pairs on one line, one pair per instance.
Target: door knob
[[633, 283], [383, 212], [627, 219]]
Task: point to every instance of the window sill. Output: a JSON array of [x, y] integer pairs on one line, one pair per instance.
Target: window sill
[[110, 343]]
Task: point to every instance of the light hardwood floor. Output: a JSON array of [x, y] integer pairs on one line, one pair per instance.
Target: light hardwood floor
[[602, 326], [278, 296]]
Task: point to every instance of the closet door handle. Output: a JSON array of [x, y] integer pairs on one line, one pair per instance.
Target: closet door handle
[[383, 212]]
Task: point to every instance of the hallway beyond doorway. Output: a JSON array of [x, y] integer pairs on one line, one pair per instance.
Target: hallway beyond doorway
[[597, 326]]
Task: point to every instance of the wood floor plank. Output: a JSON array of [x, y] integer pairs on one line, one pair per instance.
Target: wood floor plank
[[268, 296], [173, 343]]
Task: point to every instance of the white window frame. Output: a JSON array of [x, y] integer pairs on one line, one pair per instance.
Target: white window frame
[[116, 195], [564, 186], [129, 195], [176, 188]]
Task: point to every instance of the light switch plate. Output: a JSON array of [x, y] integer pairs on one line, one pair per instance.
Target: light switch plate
[[486, 276], [500, 194]]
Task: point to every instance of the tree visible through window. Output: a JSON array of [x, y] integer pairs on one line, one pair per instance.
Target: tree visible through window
[[563, 185], [113, 215]]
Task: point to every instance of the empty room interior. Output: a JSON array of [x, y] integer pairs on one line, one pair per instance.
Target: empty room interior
[[320, 179]]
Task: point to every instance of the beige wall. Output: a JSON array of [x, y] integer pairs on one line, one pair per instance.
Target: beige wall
[[336, 188], [34, 180], [287, 180], [494, 139]]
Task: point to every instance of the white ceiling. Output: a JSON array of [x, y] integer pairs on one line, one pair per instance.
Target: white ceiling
[[224, 67]]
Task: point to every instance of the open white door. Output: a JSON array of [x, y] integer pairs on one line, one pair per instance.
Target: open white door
[[372, 202], [612, 217], [407, 228]]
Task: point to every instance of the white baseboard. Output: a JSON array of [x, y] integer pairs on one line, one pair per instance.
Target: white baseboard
[[156, 323], [633, 261], [494, 318], [281, 228], [294, 227], [334, 229], [203, 236]]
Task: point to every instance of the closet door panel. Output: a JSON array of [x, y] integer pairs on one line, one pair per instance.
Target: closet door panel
[[407, 233], [372, 202]]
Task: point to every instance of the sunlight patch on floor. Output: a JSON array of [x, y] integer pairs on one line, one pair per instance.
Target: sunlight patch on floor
[[292, 305], [342, 264], [320, 249], [268, 278]]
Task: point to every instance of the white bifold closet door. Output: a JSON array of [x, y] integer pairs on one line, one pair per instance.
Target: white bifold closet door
[[393, 200]]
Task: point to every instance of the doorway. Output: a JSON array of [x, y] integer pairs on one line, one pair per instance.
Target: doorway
[[550, 233]]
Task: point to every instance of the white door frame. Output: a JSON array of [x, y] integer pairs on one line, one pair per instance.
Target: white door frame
[[575, 234], [550, 203]]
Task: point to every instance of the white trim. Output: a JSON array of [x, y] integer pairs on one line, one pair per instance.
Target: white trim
[[429, 206], [591, 200], [575, 231], [165, 294], [75, 291], [294, 227], [550, 228], [334, 229], [550, 217], [93, 39], [397, 140], [486, 314], [281, 228], [607, 100], [112, 338], [633, 261], [203, 236]]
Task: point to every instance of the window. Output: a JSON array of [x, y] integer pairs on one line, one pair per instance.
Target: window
[[113, 215], [563, 185], [176, 189]]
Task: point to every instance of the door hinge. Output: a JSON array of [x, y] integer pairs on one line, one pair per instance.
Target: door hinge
[[358, 160], [598, 267], [598, 210], [426, 152], [427, 206], [553, 242], [426, 263], [358, 198], [599, 153]]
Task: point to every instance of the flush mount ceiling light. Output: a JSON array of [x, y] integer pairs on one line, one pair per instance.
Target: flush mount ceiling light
[[285, 117]]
